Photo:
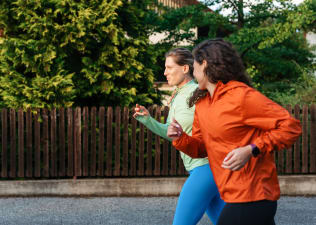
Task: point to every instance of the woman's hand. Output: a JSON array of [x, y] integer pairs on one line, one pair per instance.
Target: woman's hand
[[140, 111], [174, 130], [237, 158]]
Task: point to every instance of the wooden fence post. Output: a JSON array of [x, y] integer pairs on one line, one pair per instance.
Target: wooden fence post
[[117, 141], [70, 126], [29, 144], [289, 152], [53, 147], [93, 153], [37, 143], [62, 140], [313, 139], [101, 142], [45, 144], [149, 164], [157, 144], [21, 142], [125, 141], [305, 139], [12, 143], [297, 160], [165, 158], [85, 141], [133, 148], [4, 138], [109, 138], [141, 151], [77, 143]]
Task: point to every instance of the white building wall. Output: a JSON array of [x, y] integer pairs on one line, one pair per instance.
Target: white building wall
[[311, 39], [156, 37]]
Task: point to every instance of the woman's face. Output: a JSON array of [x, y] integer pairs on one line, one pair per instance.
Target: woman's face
[[174, 73], [199, 74]]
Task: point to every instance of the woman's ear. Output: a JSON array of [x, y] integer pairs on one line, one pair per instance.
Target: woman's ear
[[204, 63], [186, 69]]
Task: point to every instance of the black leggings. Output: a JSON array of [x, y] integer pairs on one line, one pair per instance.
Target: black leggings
[[249, 213]]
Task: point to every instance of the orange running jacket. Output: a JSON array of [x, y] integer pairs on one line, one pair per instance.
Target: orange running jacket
[[236, 116]]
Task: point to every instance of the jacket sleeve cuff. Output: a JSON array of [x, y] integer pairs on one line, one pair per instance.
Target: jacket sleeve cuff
[[177, 143], [261, 145], [143, 119]]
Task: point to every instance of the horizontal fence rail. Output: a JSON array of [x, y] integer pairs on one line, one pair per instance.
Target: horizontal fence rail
[[109, 142]]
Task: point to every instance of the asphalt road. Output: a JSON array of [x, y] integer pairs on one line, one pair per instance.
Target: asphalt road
[[127, 211]]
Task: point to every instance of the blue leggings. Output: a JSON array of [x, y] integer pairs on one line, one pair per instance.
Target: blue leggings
[[199, 194]]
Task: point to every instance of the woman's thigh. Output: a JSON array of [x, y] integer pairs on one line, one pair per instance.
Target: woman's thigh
[[196, 196], [250, 213]]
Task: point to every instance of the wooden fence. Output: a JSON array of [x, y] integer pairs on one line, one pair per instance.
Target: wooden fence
[[109, 142]]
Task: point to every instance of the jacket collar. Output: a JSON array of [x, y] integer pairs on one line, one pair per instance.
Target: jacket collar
[[222, 88]]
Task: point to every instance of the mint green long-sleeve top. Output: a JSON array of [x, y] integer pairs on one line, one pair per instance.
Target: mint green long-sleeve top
[[179, 110]]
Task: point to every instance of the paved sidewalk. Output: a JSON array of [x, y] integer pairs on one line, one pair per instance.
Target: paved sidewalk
[[127, 211]]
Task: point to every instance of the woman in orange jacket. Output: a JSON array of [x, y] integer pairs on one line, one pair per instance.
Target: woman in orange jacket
[[238, 128]]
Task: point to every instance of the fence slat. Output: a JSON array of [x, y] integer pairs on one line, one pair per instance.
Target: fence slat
[[125, 142], [313, 139], [37, 137], [296, 157], [77, 142], [21, 142], [117, 141], [93, 152], [12, 143], [157, 144], [173, 161], [29, 146], [109, 138], [75, 135], [4, 138], [165, 146], [45, 144], [141, 151], [70, 125], [149, 166], [101, 142], [305, 139], [133, 148], [12, 168], [53, 149], [289, 152], [62, 138], [85, 158], [181, 170], [280, 165]]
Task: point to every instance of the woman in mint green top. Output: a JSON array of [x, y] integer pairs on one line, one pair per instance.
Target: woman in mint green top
[[199, 193]]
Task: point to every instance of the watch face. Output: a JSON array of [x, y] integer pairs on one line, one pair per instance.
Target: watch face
[[255, 151]]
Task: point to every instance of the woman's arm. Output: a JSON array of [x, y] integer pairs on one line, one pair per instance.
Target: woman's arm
[[190, 145], [143, 116], [280, 129]]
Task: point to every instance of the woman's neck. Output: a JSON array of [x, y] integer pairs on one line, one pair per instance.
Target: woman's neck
[[184, 81], [211, 88]]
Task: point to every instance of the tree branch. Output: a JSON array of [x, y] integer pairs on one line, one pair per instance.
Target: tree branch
[[233, 4]]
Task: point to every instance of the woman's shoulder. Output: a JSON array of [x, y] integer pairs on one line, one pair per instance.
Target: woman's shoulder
[[236, 89]]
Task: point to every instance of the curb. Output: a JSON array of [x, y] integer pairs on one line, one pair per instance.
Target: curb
[[303, 185]]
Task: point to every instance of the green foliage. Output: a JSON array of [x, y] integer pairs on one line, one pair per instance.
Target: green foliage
[[58, 53], [269, 36], [302, 92]]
